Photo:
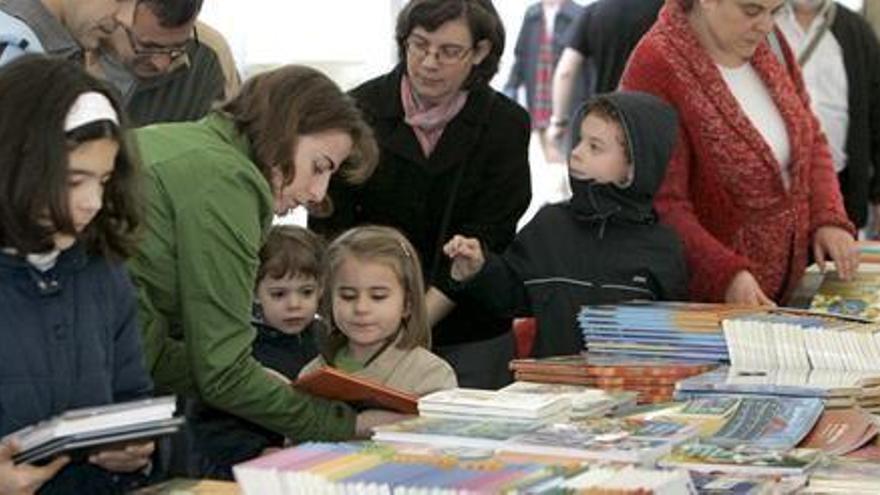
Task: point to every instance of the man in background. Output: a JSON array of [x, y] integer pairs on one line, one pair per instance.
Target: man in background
[[167, 66], [840, 59], [58, 28]]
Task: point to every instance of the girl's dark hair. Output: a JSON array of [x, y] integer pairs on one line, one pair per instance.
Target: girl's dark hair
[[36, 94], [291, 250], [275, 107], [481, 17]]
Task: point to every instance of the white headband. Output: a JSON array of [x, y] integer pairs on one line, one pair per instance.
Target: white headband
[[90, 107]]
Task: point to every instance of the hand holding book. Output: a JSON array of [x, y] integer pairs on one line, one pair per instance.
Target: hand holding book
[[124, 458], [24, 478]]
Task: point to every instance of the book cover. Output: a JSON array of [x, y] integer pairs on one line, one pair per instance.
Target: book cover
[[774, 423], [82, 428], [334, 384], [841, 431], [713, 458]]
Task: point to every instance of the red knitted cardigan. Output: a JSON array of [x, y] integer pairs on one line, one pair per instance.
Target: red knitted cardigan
[[723, 191]]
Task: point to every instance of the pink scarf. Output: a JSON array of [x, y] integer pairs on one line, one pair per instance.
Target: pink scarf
[[428, 123]]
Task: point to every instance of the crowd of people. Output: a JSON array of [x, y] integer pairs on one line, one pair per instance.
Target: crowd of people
[[139, 180]]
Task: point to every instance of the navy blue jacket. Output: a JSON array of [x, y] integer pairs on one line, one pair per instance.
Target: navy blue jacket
[[68, 339]]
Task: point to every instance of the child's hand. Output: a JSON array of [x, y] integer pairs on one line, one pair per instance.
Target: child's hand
[[24, 479], [126, 458], [371, 418], [467, 257]]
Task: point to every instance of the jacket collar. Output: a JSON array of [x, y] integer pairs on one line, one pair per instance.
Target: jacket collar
[[224, 127], [460, 134]]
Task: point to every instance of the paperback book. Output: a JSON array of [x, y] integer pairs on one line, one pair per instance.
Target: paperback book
[[334, 384]]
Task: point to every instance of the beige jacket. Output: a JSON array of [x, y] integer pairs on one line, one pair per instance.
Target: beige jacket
[[416, 371]]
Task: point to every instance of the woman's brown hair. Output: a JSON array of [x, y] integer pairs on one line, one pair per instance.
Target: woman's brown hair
[[482, 20], [275, 107]]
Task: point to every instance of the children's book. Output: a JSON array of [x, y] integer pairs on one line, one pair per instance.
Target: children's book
[[334, 384], [443, 432], [704, 457], [467, 402], [841, 431], [773, 423], [80, 429], [617, 440], [859, 297]]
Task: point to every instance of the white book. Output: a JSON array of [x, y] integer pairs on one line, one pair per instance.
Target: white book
[[95, 426]]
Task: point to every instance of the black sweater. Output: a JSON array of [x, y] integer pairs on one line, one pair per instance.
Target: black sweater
[[476, 182], [604, 246]]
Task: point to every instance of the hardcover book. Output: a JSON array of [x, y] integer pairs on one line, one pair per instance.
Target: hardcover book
[[334, 384]]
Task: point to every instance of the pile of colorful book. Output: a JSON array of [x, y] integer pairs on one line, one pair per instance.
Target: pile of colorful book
[[653, 379], [690, 331], [319, 468]]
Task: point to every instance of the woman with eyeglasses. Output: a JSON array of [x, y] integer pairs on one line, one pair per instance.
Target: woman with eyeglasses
[[751, 188], [453, 159]]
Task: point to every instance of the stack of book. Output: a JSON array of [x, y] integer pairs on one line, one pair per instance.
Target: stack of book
[[653, 379], [84, 428], [369, 469], [658, 329], [838, 389], [628, 481], [319, 468], [785, 340], [586, 402], [612, 439], [466, 403], [845, 476]]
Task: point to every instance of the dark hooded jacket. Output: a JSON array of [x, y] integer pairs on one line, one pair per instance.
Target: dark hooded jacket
[[603, 246]]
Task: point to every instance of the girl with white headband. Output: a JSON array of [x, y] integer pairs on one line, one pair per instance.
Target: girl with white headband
[[68, 332]]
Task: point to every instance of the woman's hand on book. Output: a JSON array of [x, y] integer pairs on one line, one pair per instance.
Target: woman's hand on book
[[838, 245], [371, 418], [467, 257], [24, 479], [744, 289], [126, 458]]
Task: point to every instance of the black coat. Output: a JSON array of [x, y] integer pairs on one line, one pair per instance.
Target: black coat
[[604, 246], [480, 166], [860, 180], [528, 44]]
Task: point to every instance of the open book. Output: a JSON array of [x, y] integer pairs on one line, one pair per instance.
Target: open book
[[332, 383], [87, 427]]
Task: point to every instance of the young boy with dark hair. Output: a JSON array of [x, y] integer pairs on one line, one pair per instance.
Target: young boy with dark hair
[[603, 246]]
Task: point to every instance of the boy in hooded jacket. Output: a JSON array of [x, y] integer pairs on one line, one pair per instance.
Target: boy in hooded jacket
[[604, 245]]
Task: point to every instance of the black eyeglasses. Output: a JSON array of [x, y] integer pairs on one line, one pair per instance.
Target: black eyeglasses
[[173, 53], [445, 54]]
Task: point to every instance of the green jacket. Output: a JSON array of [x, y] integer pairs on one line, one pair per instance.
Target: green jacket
[[208, 209]]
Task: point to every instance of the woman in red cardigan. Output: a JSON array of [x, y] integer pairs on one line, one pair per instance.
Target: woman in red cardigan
[[750, 187]]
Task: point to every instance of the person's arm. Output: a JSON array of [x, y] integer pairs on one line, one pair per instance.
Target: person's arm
[[218, 238], [437, 305], [505, 185], [713, 265], [872, 53], [517, 72], [565, 76]]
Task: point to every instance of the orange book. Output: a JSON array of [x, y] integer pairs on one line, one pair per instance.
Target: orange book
[[334, 384]]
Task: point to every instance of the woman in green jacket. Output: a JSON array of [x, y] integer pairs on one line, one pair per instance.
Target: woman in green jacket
[[212, 188]]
